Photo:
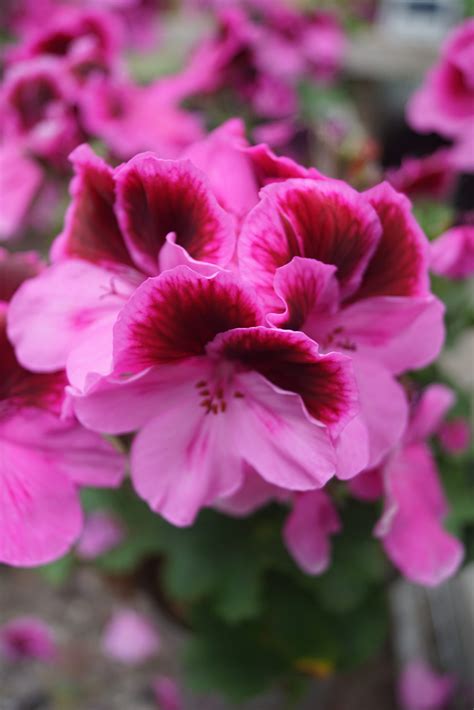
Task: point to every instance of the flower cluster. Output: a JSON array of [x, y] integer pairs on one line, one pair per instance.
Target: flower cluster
[[67, 83], [261, 51], [249, 321]]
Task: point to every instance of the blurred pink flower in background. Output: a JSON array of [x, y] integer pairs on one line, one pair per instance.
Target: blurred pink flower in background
[[452, 254], [430, 176], [102, 532], [27, 637], [130, 637], [421, 688], [167, 693], [445, 101]]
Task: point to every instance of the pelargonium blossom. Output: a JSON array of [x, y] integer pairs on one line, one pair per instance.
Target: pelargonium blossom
[[411, 528], [445, 101], [211, 389], [130, 637], [44, 458], [351, 271], [123, 225]]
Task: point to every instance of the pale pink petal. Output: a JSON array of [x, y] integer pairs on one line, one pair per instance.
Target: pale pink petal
[[352, 448], [411, 528], [40, 514], [51, 314], [429, 412], [384, 408], [130, 637], [308, 529], [252, 495]]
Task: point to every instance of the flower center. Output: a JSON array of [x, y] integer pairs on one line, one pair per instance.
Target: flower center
[[214, 396]]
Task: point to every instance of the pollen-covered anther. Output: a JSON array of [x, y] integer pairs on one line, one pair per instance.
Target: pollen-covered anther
[[208, 400]]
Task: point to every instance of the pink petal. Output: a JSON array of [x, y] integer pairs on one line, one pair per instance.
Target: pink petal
[[40, 512], [157, 197], [184, 458], [452, 254], [399, 265], [292, 363], [352, 448], [174, 316], [307, 531], [319, 219], [411, 527], [307, 288], [20, 179], [274, 434], [383, 406], [429, 412], [91, 229], [51, 314], [252, 495], [400, 333], [130, 637], [26, 637], [222, 152]]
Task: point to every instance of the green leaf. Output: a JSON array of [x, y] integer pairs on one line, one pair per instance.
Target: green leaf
[[57, 572]]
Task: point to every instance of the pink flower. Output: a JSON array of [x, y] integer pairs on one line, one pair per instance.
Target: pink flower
[[130, 637], [37, 98], [102, 532], [122, 114], [430, 176], [43, 457], [210, 389], [455, 435], [420, 688], [27, 637], [415, 506], [308, 529], [350, 270], [445, 102], [82, 40], [167, 693], [452, 254], [123, 225]]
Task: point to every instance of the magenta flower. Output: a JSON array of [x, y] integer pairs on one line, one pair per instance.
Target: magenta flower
[[445, 102], [102, 532], [20, 180], [130, 637], [350, 270], [122, 225], [415, 506], [43, 457], [167, 693], [452, 254], [27, 637], [211, 389], [308, 529], [431, 176], [421, 688]]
